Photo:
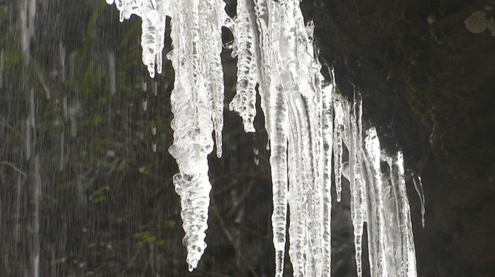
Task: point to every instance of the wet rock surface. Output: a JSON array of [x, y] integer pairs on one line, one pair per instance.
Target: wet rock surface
[[426, 70]]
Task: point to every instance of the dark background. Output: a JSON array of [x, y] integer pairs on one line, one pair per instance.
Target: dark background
[[107, 204]]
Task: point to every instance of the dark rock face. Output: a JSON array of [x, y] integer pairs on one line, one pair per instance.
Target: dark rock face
[[426, 70]]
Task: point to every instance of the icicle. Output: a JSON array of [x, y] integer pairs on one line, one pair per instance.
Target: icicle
[[327, 136], [212, 17], [192, 124], [247, 72], [264, 54], [418, 185], [152, 40], [337, 145], [191, 146], [408, 263], [278, 162], [376, 224], [153, 27], [353, 168], [391, 211]]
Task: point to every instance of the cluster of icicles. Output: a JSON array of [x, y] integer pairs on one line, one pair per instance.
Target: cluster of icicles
[[307, 122]]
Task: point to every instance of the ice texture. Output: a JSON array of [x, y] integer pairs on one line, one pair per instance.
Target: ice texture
[[340, 125], [197, 98], [245, 44], [308, 124]]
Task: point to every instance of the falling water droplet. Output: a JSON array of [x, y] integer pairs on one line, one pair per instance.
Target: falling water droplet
[[145, 105]]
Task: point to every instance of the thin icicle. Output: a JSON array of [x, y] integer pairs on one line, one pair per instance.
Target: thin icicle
[[404, 254], [278, 162], [213, 16], [418, 185], [152, 40], [153, 27], [376, 226], [327, 136], [392, 217], [264, 57], [298, 219], [308, 80], [303, 212], [247, 72], [337, 144], [408, 263], [356, 182]]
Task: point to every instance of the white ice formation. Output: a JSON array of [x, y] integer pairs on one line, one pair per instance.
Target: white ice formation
[[308, 123]]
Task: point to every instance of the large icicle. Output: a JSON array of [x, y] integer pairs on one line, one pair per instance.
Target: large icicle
[[197, 98], [192, 125]]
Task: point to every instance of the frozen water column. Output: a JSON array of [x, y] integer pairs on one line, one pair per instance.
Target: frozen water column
[[197, 98]]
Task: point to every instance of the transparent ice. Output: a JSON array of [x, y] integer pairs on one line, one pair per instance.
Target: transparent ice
[[309, 124]]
